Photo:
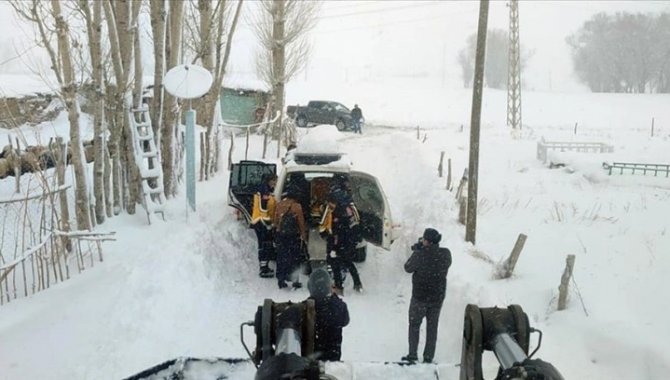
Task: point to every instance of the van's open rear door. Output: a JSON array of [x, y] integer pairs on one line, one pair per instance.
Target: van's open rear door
[[245, 177], [373, 208]]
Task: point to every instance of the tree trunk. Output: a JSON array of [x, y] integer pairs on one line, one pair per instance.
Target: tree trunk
[[121, 27], [116, 106], [107, 180], [279, 63], [206, 52], [171, 106], [94, 26], [70, 97], [158, 30], [60, 152], [138, 88], [222, 63]]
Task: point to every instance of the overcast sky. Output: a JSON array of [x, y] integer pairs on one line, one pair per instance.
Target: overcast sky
[[403, 40], [384, 40]]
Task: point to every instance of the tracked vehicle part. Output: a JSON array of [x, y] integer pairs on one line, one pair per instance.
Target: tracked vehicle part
[[285, 350], [505, 332]]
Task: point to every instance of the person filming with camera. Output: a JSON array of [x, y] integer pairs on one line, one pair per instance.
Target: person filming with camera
[[428, 264]]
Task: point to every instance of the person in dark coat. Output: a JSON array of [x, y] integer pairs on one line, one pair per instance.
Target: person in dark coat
[[343, 238], [332, 315], [357, 119], [262, 223], [290, 234], [428, 264]]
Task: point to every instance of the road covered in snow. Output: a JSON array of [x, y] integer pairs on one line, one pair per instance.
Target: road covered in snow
[[183, 287]]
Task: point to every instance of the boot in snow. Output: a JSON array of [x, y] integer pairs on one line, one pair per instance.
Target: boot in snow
[[266, 272], [409, 358]]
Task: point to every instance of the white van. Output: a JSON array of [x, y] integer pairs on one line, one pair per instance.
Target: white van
[[318, 171]]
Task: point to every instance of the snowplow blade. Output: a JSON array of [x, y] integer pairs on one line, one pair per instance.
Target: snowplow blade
[[199, 369], [221, 368], [390, 370]]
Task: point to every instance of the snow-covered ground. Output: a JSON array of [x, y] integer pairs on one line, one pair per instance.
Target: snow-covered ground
[[182, 288]]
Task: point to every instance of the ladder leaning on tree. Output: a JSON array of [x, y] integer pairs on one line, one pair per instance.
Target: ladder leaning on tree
[[148, 162]]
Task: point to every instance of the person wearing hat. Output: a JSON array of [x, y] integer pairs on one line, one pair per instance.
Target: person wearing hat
[[290, 234], [331, 315], [428, 264]]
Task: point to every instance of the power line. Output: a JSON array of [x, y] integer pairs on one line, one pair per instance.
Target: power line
[[382, 10], [413, 6], [380, 26]]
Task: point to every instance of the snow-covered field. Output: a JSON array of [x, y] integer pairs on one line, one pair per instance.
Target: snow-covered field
[[182, 288]]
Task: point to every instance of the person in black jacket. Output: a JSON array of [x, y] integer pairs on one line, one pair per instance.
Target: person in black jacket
[[356, 119], [343, 238], [332, 315], [429, 265]]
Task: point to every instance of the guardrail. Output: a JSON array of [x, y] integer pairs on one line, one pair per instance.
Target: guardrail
[[637, 167], [595, 147]]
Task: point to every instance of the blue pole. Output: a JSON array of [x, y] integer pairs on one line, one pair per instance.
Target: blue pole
[[190, 157]]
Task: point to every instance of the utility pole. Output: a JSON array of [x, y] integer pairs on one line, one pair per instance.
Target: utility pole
[[475, 120], [514, 68]]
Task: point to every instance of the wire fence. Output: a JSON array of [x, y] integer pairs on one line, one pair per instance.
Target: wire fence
[[35, 252]]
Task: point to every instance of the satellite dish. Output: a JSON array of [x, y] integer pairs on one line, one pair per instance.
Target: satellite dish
[[187, 81]]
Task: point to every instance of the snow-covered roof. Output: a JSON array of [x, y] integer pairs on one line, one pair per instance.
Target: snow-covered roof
[[244, 81], [17, 85]]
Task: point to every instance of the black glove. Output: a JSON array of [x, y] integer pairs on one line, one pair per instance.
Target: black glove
[[418, 245]]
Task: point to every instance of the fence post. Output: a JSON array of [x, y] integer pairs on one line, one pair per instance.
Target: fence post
[[565, 282], [449, 174], [507, 267], [203, 156], [439, 167], [246, 150], [575, 128], [14, 159], [230, 151], [462, 209], [652, 127]]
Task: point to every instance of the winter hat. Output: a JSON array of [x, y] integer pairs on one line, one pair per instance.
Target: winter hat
[[319, 283], [335, 195], [432, 235]]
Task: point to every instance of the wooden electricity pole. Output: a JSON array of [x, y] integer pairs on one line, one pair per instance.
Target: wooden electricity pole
[[475, 119]]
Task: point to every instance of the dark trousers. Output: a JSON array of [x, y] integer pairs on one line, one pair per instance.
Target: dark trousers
[[265, 247], [417, 311], [357, 126], [288, 256], [337, 264], [331, 353]]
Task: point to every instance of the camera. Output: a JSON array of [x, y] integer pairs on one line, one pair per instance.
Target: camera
[[418, 245]]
